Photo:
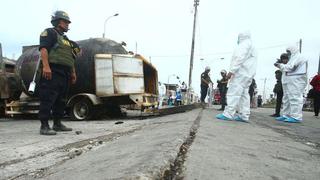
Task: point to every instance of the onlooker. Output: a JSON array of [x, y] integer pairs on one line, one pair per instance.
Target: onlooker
[[278, 92], [294, 82], [170, 100], [254, 102], [242, 70], [178, 98], [183, 92], [315, 83], [252, 89], [205, 81], [222, 86], [260, 101]]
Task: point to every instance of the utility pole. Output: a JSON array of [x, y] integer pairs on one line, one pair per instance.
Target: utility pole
[[1, 59], [136, 47], [300, 45], [196, 4], [319, 65], [0, 52]]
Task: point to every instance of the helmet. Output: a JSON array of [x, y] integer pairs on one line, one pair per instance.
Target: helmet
[[207, 68], [59, 15], [223, 71], [284, 56]]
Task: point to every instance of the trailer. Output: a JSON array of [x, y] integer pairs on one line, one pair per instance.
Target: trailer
[[108, 76], [119, 80]]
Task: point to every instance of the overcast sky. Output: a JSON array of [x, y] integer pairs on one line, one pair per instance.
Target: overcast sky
[[162, 30]]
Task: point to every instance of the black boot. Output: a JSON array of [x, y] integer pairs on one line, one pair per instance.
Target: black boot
[[58, 126], [45, 130]]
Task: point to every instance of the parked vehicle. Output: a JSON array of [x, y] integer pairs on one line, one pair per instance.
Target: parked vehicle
[[107, 77]]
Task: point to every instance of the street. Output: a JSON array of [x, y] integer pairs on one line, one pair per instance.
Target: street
[[189, 145]]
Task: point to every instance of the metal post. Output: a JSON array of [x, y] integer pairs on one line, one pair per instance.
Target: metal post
[[319, 65], [136, 47], [1, 59], [300, 45], [264, 90], [0, 52], [196, 3]]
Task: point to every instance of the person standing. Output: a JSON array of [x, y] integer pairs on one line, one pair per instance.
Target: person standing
[[222, 86], [259, 101], [252, 90], [242, 70], [294, 82], [178, 98], [57, 62], [285, 99], [205, 81], [278, 91], [183, 92], [315, 83]]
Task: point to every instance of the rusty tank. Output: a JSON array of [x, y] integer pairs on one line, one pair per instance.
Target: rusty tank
[[84, 64]]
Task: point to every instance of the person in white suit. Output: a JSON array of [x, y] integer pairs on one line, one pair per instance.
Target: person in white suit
[[294, 82], [242, 71]]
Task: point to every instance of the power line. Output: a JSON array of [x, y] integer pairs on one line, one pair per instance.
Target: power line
[[221, 53]]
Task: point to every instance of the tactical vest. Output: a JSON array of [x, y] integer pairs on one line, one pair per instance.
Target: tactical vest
[[61, 53]]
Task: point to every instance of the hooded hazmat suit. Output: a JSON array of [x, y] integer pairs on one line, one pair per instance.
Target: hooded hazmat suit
[[243, 67], [294, 82]]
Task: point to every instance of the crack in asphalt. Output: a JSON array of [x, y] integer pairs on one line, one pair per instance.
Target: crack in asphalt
[[38, 173], [177, 167]]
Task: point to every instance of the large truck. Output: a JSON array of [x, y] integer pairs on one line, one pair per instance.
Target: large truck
[[107, 77]]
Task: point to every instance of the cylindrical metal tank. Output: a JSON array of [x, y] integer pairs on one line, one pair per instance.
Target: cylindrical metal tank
[[84, 64]]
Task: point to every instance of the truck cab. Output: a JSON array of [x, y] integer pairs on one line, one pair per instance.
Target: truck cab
[[9, 83]]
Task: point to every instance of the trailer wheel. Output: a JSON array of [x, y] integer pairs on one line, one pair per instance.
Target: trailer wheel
[[82, 109]]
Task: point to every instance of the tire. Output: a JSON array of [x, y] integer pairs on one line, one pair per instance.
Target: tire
[[82, 109]]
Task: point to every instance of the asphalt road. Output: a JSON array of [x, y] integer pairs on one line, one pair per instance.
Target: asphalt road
[[190, 145]]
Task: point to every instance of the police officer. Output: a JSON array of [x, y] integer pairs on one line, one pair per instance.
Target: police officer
[[278, 90], [279, 93], [205, 81], [57, 57], [222, 86]]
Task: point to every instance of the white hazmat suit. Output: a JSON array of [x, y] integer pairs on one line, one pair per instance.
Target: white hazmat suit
[[294, 82], [243, 67]]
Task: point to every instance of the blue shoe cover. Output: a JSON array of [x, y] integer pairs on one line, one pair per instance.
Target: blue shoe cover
[[222, 117], [281, 118], [292, 120], [240, 119]]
